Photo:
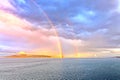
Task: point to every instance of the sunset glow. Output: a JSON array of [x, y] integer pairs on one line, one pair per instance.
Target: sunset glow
[[21, 53]]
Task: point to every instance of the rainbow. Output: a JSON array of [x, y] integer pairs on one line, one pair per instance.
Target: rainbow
[[76, 54], [52, 25]]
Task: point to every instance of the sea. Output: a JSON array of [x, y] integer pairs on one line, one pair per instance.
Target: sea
[[59, 69]]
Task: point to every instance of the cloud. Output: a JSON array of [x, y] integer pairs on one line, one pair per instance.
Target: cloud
[[23, 34], [81, 23], [6, 5]]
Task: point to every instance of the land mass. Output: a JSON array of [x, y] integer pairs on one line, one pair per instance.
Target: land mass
[[28, 56], [117, 56]]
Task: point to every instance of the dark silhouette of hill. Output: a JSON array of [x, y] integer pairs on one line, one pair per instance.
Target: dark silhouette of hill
[[28, 56]]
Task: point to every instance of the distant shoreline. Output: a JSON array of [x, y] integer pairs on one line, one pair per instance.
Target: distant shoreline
[[28, 56]]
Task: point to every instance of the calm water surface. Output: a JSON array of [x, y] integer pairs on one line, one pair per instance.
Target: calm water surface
[[60, 69]]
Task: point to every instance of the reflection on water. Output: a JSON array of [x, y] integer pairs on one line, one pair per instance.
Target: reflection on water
[[60, 69]]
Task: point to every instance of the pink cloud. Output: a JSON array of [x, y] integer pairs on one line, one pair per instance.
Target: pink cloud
[[20, 29], [5, 4]]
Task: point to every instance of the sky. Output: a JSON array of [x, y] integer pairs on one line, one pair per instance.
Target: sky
[[85, 28]]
